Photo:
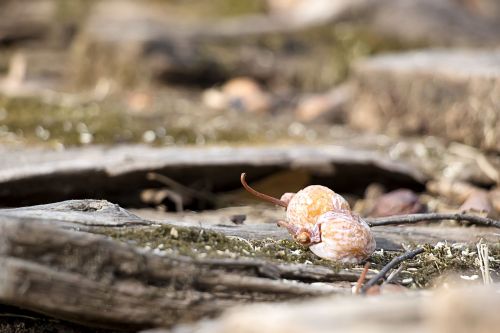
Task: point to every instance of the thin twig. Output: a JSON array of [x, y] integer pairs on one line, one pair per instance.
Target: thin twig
[[393, 275], [176, 186], [389, 266], [415, 218]]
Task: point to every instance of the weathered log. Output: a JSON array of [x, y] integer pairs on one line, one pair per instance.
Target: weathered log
[[74, 275], [260, 224], [93, 280], [91, 215], [119, 174], [452, 94]]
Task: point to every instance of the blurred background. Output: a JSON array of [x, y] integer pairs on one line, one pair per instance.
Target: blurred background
[[417, 81]]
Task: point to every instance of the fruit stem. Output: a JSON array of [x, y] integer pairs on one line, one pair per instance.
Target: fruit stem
[[259, 195]]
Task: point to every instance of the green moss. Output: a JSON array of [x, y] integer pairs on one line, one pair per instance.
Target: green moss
[[421, 271], [437, 261], [196, 242], [314, 59], [172, 120], [215, 8], [185, 241], [35, 121]]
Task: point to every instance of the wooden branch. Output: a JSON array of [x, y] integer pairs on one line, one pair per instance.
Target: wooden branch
[[393, 263], [435, 217]]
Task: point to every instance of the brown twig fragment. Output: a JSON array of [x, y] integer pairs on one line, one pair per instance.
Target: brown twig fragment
[[362, 278], [176, 186], [394, 262], [259, 195], [414, 218]]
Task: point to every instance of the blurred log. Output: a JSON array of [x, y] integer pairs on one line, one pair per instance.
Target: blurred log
[[28, 21], [119, 173], [452, 94], [466, 309], [144, 42], [435, 22]]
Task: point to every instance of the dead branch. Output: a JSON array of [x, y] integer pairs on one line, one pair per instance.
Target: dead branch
[[182, 189], [389, 266], [432, 217]]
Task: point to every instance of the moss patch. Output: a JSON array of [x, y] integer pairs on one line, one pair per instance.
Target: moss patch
[[201, 243], [314, 59], [425, 269], [171, 120], [419, 272]]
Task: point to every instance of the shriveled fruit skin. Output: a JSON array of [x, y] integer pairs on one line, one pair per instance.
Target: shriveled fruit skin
[[345, 238], [305, 207]]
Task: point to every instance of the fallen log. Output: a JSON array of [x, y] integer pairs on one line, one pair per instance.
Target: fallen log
[[119, 174], [92, 280], [99, 215]]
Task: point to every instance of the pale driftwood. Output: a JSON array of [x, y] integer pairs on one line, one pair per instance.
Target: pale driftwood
[[92, 280], [467, 309], [433, 92], [119, 173]]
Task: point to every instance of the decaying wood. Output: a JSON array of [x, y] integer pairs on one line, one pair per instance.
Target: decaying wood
[[466, 309], [73, 275], [260, 223], [432, 92], [91, 215], [78, 213], [34, 175]]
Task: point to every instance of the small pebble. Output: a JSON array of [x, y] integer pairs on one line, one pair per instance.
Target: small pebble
[[238, 218]]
